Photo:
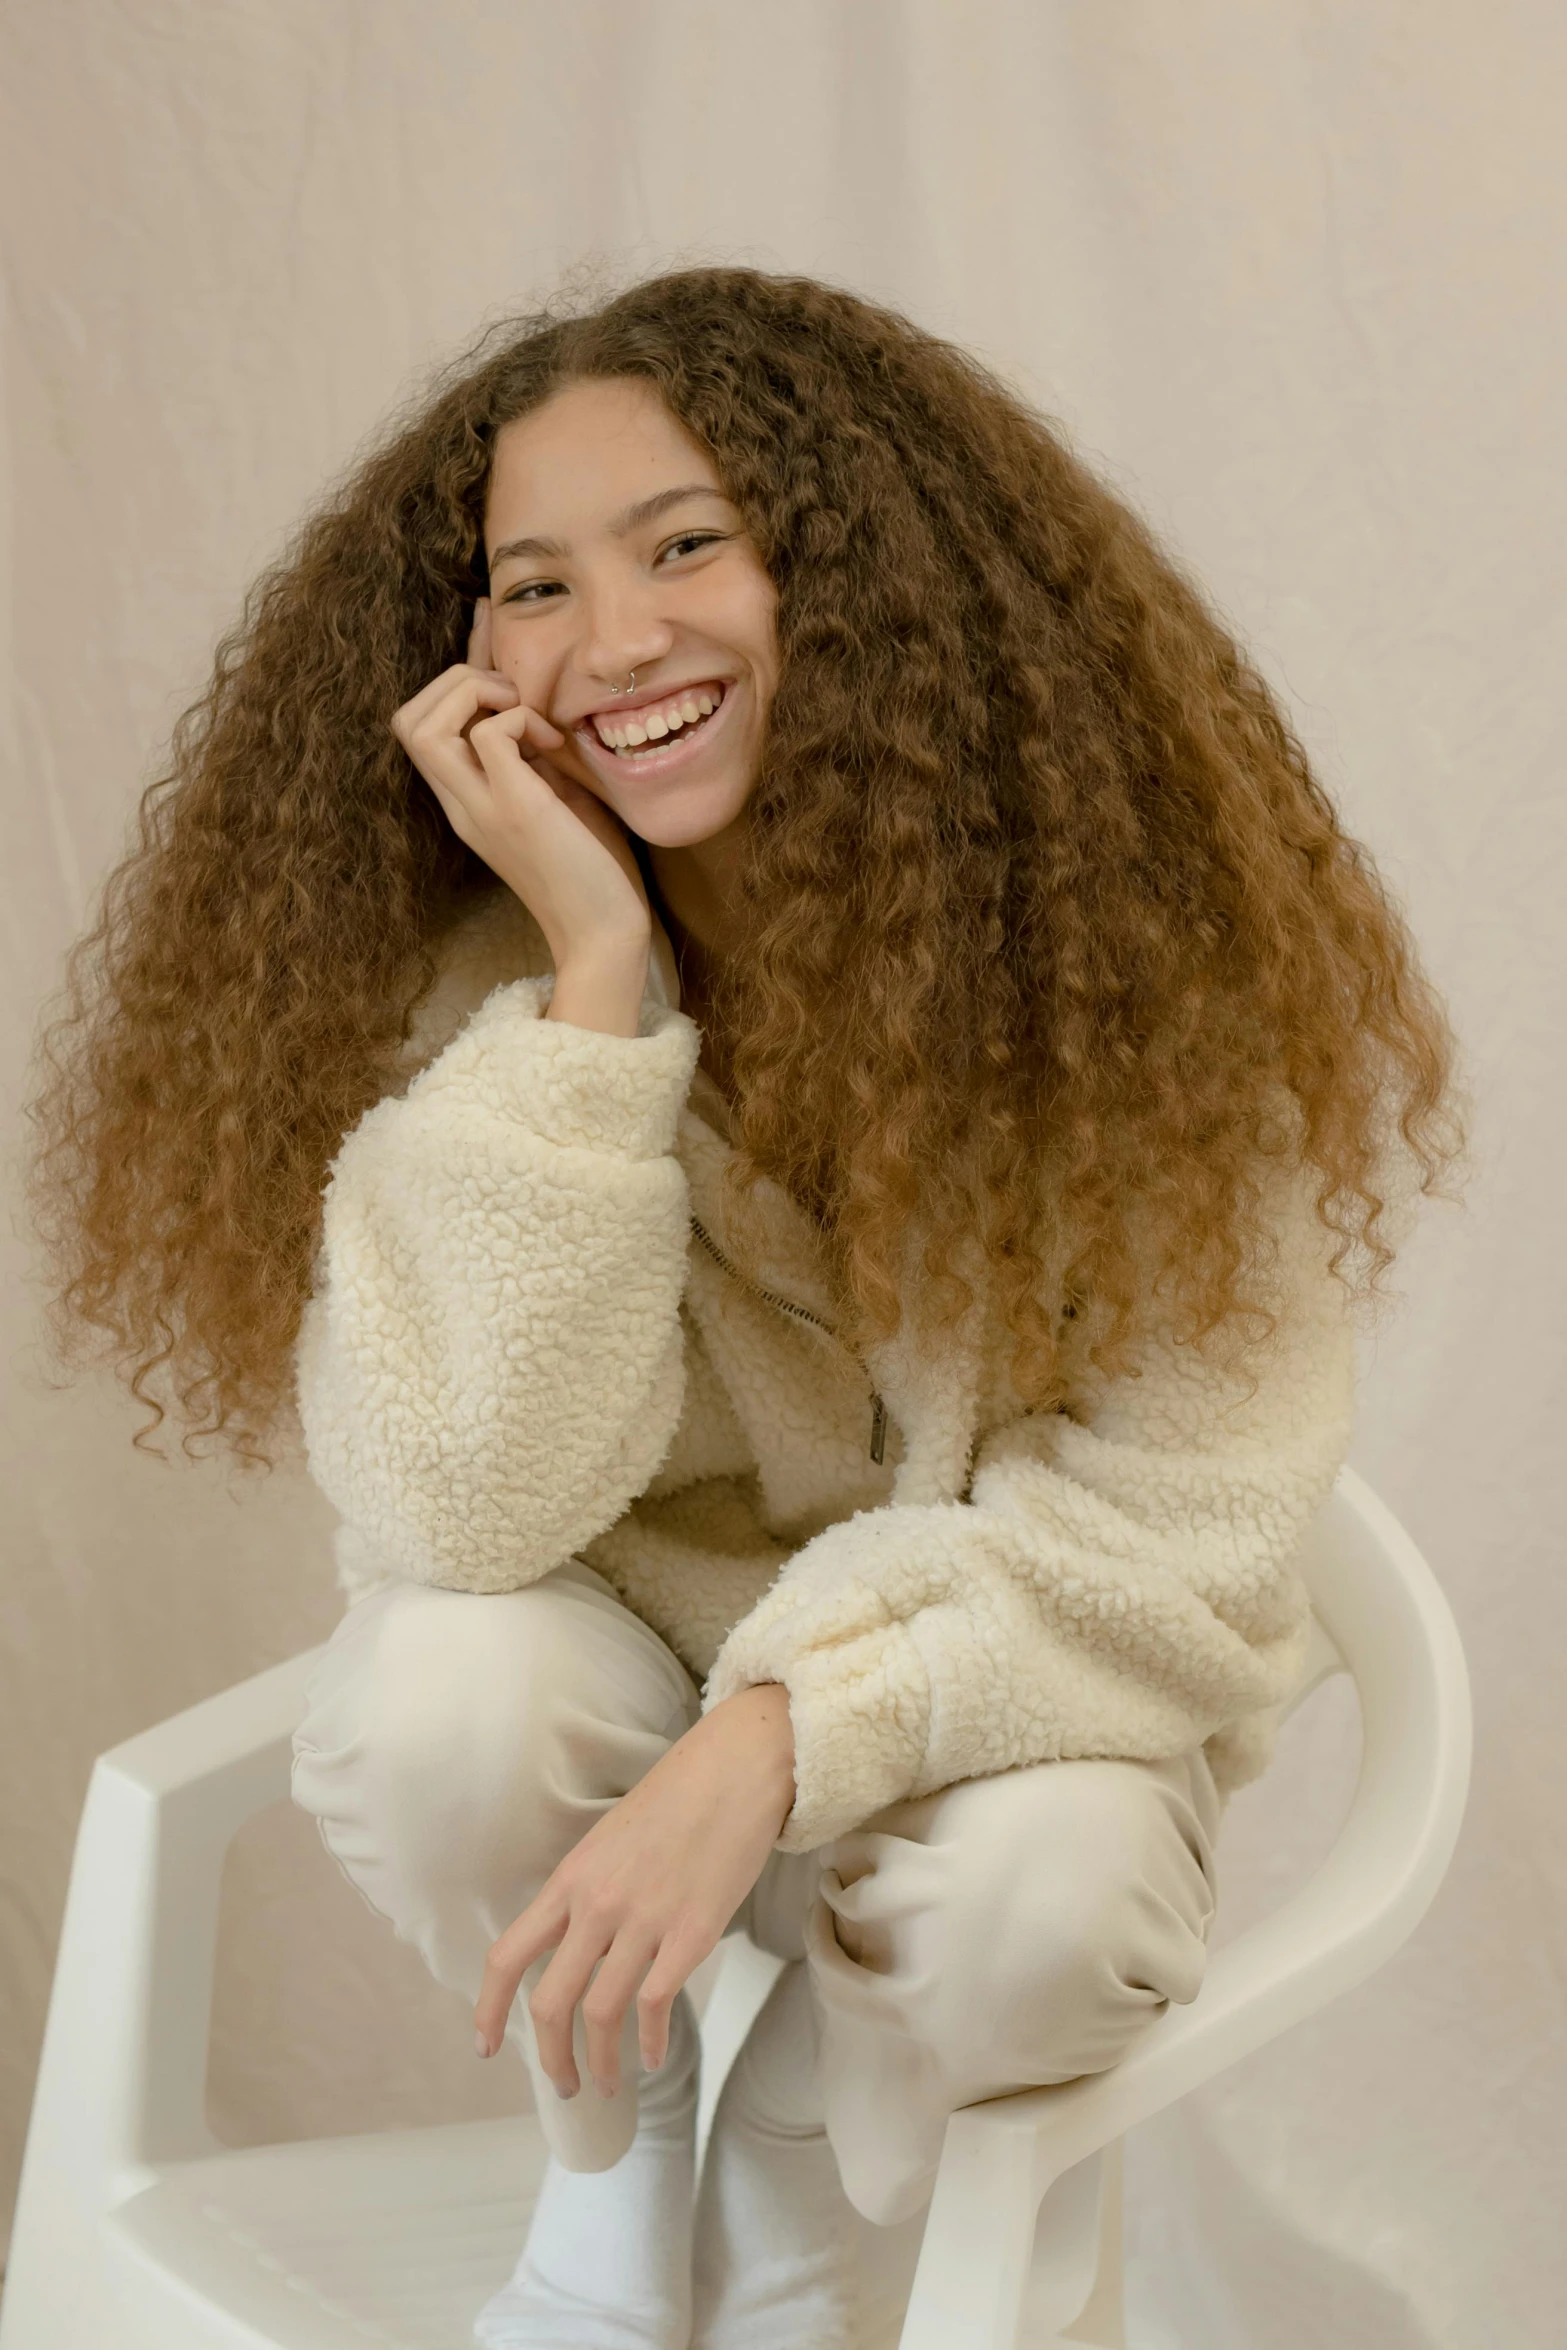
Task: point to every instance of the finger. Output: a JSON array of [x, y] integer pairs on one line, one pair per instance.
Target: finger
[[436, 742], [677, 1959], [474, 694], [508, 734], [480, 636], [540, 1927], [552, 2003], [441, 747], [605, 2002], [413, 713]]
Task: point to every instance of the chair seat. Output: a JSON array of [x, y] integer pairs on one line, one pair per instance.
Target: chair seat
[[395, 2238]]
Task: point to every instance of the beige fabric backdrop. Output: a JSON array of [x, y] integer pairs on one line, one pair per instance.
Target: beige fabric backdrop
[[1292, 274]]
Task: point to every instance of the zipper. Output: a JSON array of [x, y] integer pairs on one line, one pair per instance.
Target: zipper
[[787, 1305]]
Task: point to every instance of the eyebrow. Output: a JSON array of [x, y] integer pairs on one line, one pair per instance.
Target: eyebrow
[[645, 510]]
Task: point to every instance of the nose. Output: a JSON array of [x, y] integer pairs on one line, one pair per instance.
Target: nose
[[622, 630]]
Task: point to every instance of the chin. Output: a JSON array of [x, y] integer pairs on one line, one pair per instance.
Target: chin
[[680, 822]]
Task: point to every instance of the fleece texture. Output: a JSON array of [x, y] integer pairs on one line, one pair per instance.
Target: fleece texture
[[518, 1350]]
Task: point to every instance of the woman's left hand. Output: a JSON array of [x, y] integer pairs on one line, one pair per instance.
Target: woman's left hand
[[649, 1891]]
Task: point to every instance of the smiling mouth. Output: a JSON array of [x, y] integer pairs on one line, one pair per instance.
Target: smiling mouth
[[658, 726]]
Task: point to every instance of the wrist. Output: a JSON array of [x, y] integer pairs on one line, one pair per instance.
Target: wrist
[[602, 988], [759, 1719]]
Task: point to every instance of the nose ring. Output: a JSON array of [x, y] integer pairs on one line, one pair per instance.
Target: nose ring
[[627, 687]]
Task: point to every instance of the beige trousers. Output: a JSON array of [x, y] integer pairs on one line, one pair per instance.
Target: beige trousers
[[1005, 1932]]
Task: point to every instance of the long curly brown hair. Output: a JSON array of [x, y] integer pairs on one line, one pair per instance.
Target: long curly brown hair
[[1047, 913]]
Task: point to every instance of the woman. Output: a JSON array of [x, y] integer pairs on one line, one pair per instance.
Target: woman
[[849, 1055]]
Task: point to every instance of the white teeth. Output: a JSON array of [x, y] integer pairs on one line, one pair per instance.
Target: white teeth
[[653, 723]]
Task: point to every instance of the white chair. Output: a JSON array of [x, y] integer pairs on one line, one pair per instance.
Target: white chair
[[137, 2230]]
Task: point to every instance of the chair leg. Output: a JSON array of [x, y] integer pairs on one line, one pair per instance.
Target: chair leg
[[744, 1977], [1067, 2238], [122, 2076], [1101, 2323], [999, 2269]]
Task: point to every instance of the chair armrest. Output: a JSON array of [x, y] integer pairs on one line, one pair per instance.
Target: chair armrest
[[1381, 1614], [122, 2079], [1322, 1662], [225, 1758]]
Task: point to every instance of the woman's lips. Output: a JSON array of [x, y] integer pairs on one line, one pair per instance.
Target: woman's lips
[[659, 758]]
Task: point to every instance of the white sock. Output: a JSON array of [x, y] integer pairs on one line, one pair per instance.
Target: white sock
[[607, 2262], [777, 2256]]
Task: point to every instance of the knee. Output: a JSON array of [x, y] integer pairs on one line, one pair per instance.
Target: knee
[[1077, 1908], [450, 1729], [419, 1716]]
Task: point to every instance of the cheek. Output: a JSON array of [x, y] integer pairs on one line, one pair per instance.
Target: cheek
[[750, 628], [514, 658], [738, 609], [762, 633], [508, 649]]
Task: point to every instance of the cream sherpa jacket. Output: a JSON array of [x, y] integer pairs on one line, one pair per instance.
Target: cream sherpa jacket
[[525, 1343]]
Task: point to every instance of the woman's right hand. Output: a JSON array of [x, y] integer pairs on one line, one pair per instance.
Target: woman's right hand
[[547, 836]]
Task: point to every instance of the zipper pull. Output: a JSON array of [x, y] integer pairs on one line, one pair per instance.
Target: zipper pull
[[878, 1428]]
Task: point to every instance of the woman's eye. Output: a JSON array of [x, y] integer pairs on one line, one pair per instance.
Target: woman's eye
[[538, 591], [693, 538]]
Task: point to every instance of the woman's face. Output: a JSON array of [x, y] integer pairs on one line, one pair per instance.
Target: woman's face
[[611, 548]]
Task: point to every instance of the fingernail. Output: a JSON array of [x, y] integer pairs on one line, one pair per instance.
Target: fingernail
[[564, 2092], [480, 2043], [604, 2088]]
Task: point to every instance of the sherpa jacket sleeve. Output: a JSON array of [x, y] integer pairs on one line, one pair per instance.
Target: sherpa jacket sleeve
[[1118, 1585], [490, 1368]]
